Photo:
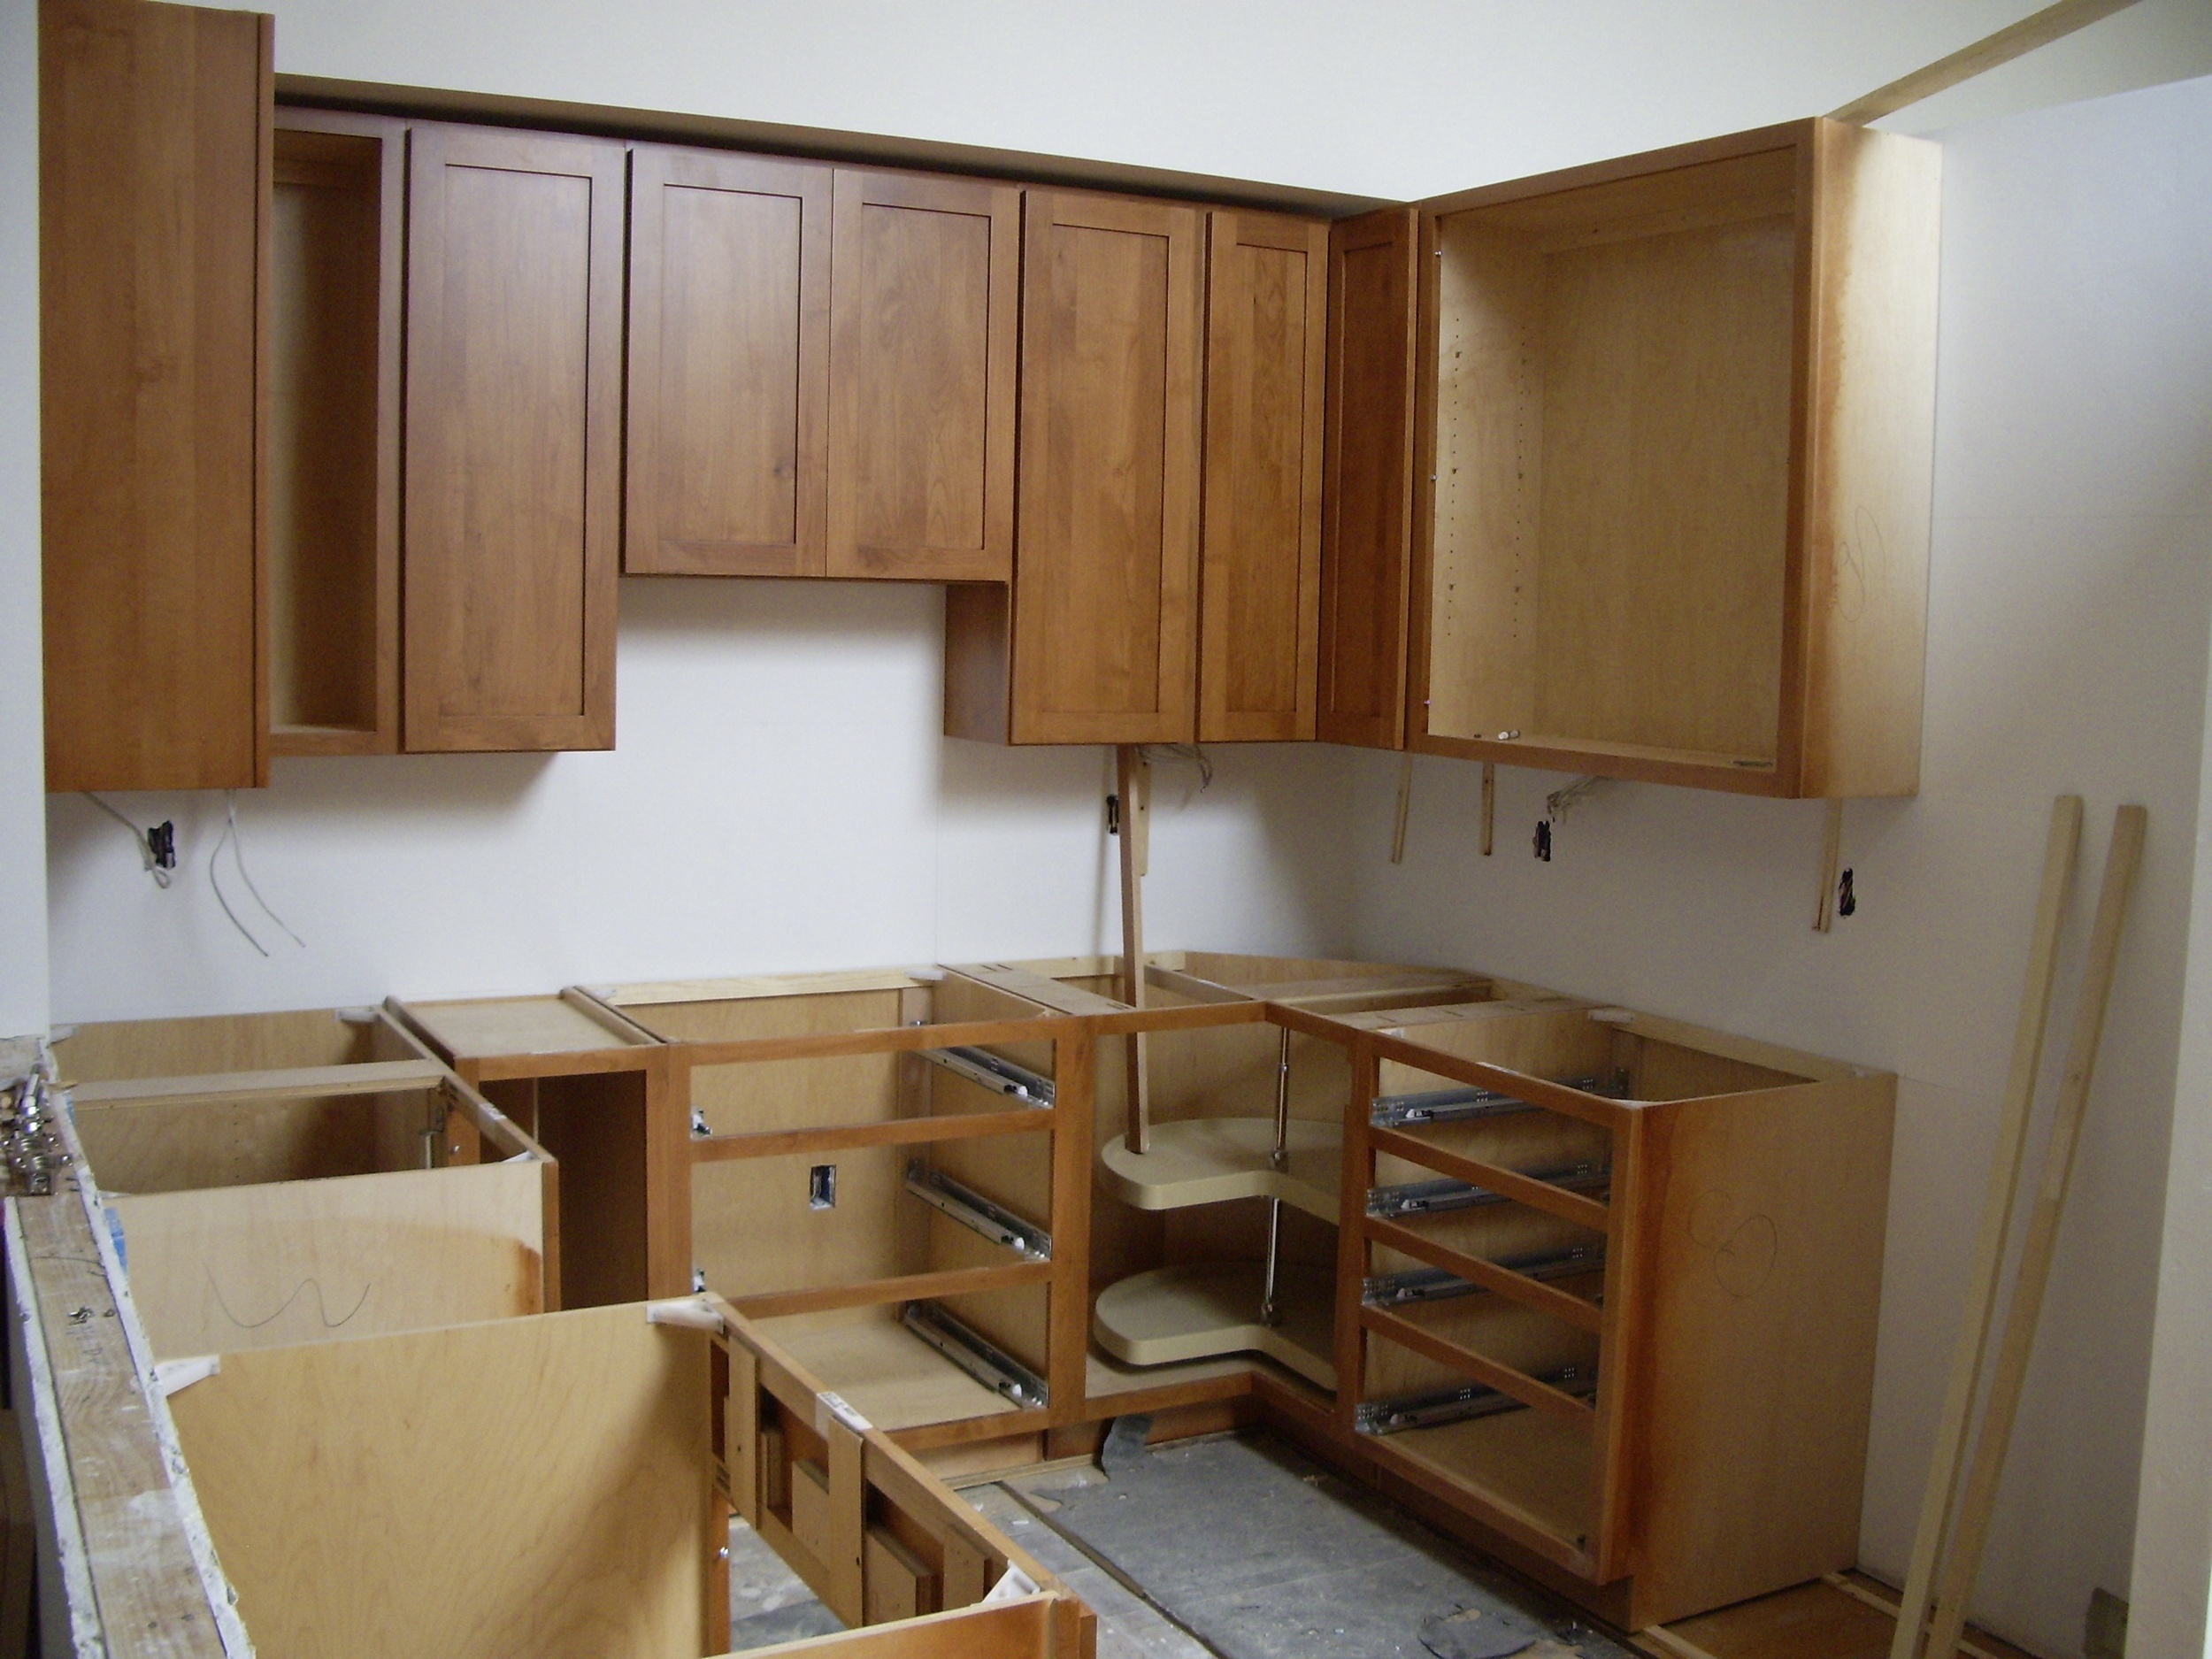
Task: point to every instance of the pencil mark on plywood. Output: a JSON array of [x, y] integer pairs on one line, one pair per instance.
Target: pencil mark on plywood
[[1743, 1251], [322, 1308]]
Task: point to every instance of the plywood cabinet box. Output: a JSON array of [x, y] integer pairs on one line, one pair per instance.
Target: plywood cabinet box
[[1669, 464], [278, 1179]]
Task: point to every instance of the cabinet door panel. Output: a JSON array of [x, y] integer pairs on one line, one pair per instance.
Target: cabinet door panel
[[1367, 516], [922, 378], [154, 136], [514, 343], [1266, 320], [729, 364], [1106, 575]]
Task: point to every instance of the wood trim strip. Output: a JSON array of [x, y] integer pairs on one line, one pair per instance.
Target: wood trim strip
[[1521, 1190], [2038, 28], [1530, 1293], [898, 1131], [930, 1437], [374, 1077], [890, 1040], [1557, 1097], [1190, 985], [1504, 1378], [875, 1292]]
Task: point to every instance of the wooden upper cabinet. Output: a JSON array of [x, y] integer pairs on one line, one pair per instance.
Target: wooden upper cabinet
[[1106, 577], [729, 364], [154, 158], [924, 296], [1678, 414], [335, 293], [1266, 324], [514, 428], [1367, 514]]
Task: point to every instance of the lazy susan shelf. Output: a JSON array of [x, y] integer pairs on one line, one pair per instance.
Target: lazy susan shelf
[[1181, 1313], [1207, 1160]]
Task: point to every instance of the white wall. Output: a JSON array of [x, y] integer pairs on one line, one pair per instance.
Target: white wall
[[779, 798], [22, 730], [2070, 587]]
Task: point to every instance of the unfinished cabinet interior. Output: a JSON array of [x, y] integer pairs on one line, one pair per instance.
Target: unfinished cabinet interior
[[1673, 465], [514, 302], [338, 202], [1613, 1275], [876, 1174], [278, 1179], [153, 186]]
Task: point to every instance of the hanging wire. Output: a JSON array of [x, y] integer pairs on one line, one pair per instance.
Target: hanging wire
[[231, 838], [1191, 753], [1559, 802], [154, 867]]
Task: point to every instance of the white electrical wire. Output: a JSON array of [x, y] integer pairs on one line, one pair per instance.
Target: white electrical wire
[[237, 845], [145, 843]]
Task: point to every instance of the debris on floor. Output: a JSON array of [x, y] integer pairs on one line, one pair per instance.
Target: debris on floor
[[1239, 1547], [770, 1603]]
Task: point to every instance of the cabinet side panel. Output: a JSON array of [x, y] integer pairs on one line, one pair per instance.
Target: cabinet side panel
[[513, 427], [563, 1459], [1367, 491], [1764, 1262], [1878, 199], [1259, 593], [152, 125]]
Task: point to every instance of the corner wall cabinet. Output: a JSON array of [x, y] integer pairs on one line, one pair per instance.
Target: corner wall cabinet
[[1672, 464], [153, 236]]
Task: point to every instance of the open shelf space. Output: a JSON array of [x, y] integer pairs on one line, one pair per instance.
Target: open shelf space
[[1529, 1464], [883, 1371], [1208, 1160], [1207, 1309]]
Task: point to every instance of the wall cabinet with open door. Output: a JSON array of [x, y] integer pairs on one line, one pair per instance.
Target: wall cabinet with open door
[[1166, 583], [153, 186], [513, 438], [1671, 465]]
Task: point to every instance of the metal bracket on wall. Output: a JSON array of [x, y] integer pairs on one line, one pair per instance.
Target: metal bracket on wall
[[989, 1070], [972, 1211], [983, 1360]]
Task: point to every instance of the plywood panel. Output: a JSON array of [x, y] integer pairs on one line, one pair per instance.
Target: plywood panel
[[565, 1460], [165, 1148], [214, 1043], [727, 460], [922, 378], [216, 1272], [1260, 599], [514, 303], [1105, 636], [753, 1231]]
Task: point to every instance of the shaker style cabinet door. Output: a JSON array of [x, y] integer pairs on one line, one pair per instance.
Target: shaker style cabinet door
[[514, 428], [922, 343], [729, 364], [1259, 589], [1106, 579], [1368, 519], [154, 124]]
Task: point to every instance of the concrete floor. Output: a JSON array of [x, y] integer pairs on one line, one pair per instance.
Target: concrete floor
[[1227, 1548]]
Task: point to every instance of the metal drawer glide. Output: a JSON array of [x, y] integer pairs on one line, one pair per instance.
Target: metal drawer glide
[[1455, 1105], [1433, 1284], [972, 1211], [1429, 1198], [983, 1360], [989, 1070], [1438, 1406]]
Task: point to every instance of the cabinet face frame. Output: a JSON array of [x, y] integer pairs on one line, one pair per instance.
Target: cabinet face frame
[[154, 211], [437, 549], [1055, 587], [379, 577], [667, 440], [856, 372], [1249, 493], [1860, 445]]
